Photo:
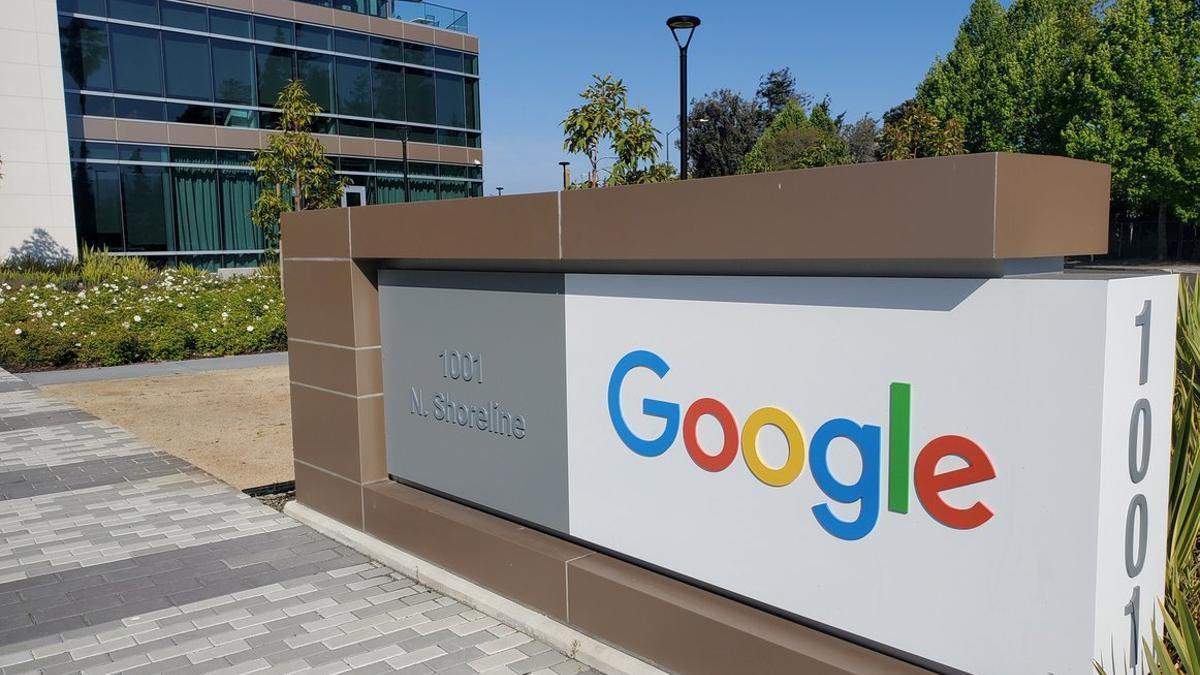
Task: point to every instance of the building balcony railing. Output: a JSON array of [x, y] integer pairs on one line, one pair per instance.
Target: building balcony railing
[[412, 11]]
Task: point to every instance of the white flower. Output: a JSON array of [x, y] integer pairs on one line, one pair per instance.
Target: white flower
[[18, 331], [137, 318], [213, 330], [249, 329]]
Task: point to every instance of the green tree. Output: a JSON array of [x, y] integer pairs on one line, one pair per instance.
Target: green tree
[[910, 131], [862, 139], [795, 140], [1140, 109], [606, 117], [293, 172], [716, 147], [775, 89]]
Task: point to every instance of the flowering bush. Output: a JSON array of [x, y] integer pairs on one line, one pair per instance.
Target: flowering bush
[[175, 314]]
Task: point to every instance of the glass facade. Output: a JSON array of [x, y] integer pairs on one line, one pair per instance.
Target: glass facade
[[169, 61]]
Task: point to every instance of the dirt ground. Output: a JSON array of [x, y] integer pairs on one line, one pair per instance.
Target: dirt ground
[[234, 424]]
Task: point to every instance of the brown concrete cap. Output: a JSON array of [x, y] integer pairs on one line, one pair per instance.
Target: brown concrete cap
[[969, 207]]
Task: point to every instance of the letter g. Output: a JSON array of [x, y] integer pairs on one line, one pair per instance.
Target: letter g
[[668, 411]]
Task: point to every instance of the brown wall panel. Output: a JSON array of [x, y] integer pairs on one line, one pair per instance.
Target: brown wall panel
[[137, 131], [423, 152], [351, 20], [449, 39], [99, 128], [420, 33], [313, 14], [522, 564], [363, 147], [335, 497], [1050, 206], [453, 155], [471, 43], [387, 28], [940, 208], [320, 300], [352, 371], [284, 9], [516, 227], [192, 134], [325, 431], [247, 139], [685, 629], [318, 234], [244, 5]]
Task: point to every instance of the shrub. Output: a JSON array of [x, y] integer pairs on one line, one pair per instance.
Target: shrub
[[109, 311]]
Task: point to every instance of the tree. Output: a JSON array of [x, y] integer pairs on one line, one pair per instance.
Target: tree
[[910, 131], [716, 147], [775, 89], [795, 140], [862, 139], [606, 116], [293, 172], [1140, 108]]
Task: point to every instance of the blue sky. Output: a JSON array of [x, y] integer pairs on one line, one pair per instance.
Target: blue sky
[[536, 56]]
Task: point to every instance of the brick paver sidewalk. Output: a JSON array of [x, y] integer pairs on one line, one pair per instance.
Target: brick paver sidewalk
[[115, 557]]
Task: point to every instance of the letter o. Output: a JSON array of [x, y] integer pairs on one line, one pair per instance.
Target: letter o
[[779, 419], [718, 411]]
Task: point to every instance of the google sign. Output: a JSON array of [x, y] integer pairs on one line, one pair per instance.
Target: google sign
[[866, 438]]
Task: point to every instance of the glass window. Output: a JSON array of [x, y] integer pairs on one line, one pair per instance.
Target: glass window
[[451, 105], [418, 93], [383, 48], [323, 124], [473, 141], [196, 204], [453, 189], [187, 113], [391, 132], [475, 172], [353, 87], [233, 72], [129, 152], [452, 138], [316, 71], [359, 164], [423, 189], [145, 11], [274, 73], [471, 95], [85, 56], [97, 190], [93, 150], [189, 17], [389, 91], [84, 104], [422, 135], [476, 189], [147, 197], [354, 128], [350, 43], [269, 120], [188, 66], [418, 54], [387, 190], [239, 190], [448, 59], [193, 156], [314, 36], [235, 157], [471, 63], [389, 166], [136, 109], [273, 30], [423, 169], [137, 60], [452, 171], [229, 23], [226, 117], [93, 7]]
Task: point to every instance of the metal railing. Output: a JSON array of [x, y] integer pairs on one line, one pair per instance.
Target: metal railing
[[430, 14]]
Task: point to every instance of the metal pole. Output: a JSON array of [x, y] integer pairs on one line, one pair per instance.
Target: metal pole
[[407, 185], [683, 116]]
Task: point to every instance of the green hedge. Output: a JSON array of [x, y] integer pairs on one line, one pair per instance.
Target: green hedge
[[167, 315]]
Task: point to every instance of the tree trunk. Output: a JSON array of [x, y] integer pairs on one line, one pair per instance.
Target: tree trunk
[[1162, 231]]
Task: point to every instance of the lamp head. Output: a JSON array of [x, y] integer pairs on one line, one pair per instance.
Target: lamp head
[[685, 24]]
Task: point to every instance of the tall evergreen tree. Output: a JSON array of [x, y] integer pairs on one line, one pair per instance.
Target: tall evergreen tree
[[717, 145], [795, 140], [1140, 109]]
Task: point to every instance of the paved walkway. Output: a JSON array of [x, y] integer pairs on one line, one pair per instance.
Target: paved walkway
[[115, 557], [73, 375]]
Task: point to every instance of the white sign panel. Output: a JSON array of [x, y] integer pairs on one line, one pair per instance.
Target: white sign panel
[[970, 471]]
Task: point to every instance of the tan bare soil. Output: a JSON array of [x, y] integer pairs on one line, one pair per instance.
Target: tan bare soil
[[234, 424]]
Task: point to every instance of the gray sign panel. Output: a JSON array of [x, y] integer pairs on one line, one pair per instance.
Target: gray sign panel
[[474, 372]]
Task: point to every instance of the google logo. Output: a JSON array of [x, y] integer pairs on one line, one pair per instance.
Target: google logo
[[867, 491]]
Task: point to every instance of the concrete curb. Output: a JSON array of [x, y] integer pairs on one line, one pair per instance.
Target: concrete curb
[[567, 640], [133, 370]]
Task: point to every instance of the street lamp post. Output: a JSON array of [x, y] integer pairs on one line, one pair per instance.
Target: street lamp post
[[566, 174], [667, 143], [678, 24], [499, 191], [407, 185]]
